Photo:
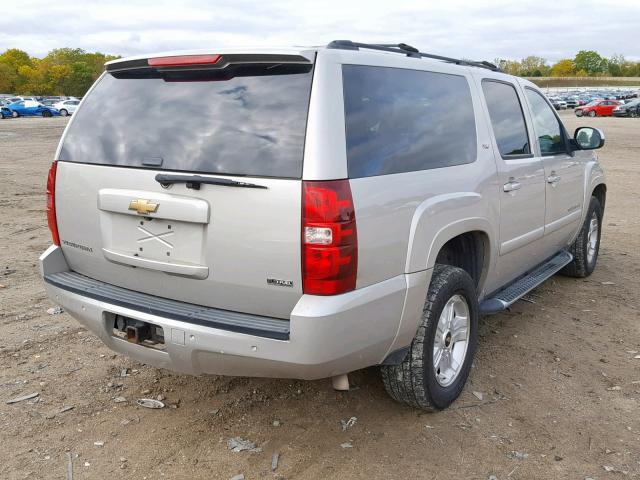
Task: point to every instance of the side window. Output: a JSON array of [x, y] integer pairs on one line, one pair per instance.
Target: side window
[[546, 125], [507, 118], [399, 120]]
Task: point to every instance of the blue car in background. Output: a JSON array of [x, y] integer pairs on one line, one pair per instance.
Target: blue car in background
[[5, 112], [31, 108]]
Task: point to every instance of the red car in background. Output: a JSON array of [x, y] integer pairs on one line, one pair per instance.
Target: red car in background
[[597, 108]]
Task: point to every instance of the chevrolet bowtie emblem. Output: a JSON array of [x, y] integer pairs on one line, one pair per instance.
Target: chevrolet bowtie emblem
[[143, 207]]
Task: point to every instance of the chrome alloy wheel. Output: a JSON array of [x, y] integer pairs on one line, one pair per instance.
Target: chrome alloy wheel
[[451, 340], [592, 237]]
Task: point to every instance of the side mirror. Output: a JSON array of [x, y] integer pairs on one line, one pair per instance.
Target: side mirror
[[588, 138]]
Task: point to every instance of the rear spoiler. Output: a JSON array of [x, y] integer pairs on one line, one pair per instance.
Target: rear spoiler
[[204, 62]]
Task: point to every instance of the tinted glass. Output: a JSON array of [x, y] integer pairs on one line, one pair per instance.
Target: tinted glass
[[251, 122], [545, 124], [506, 118], [401, 120]]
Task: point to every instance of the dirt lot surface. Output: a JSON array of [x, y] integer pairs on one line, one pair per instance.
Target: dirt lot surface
[[559, 374]]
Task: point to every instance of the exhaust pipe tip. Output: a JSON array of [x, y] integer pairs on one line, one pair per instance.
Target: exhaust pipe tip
[[340, 382]]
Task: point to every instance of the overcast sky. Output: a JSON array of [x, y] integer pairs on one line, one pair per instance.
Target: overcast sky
[[481, 30]]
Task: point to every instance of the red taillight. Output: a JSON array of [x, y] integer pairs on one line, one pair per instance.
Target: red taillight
[[51, 203], [329, 238], [183, 60]]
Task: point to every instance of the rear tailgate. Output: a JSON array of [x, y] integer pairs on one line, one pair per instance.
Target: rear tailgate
[[230, 135]]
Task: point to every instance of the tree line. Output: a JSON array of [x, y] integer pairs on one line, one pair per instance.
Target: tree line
[[64, 71], [586, 63], [71, 71]]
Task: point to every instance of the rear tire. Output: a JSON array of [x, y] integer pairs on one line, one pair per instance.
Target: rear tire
[[586, 246], [415, 381], [46, 114], [592, 113], [64, 113]]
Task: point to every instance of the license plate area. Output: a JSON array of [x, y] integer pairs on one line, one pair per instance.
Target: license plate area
[[154, 238], [136, 331], [168, 236]]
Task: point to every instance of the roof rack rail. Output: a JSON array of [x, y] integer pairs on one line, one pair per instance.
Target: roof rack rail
[[409, 51]]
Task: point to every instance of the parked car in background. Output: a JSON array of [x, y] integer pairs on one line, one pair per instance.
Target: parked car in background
[[571, 102], [19, 99], [67, 107], [631, 109], [5, 112], [598, 108], [31, 108], [557, 103]]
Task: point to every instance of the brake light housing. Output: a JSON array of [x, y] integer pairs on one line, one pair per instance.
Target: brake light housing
[[329, 238], [51, 203], [183, 60]]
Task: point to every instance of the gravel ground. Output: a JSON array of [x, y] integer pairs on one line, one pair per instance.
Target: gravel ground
[[558, 373]]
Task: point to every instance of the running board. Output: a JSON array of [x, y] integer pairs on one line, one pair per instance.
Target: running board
[[506, 297]]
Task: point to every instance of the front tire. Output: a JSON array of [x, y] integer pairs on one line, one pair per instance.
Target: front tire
[[437, 365], [14, 114], [64, 113], [579, 113], [586, 246]]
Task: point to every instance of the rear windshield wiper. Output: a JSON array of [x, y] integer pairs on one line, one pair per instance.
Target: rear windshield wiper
[[194, 181]]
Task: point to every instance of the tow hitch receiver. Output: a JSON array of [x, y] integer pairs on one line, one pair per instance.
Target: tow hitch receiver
[[136, 331]]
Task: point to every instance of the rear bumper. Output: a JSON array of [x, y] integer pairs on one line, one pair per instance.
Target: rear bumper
[[327, 335]]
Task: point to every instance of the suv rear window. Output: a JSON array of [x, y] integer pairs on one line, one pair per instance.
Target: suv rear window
[[400, 120], [251, 122]]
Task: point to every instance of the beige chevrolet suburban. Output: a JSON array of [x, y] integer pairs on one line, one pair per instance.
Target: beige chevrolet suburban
[[304, 213]]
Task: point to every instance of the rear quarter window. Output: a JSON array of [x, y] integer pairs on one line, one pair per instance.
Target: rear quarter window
[[400, 120], [507, 118]]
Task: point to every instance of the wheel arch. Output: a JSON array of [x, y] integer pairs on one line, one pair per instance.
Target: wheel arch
[[600, 192], [427, 240], [469, 251], [595, 185]]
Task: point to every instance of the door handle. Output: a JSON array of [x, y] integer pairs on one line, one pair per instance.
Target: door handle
[[511, 186], [553, 178]]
